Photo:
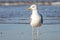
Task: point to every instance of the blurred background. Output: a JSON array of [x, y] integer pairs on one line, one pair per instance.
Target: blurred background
[[14, 19], [13, 11]]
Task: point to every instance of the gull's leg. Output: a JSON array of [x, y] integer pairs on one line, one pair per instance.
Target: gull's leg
[[38, 33], [35, 33], [32, 33]]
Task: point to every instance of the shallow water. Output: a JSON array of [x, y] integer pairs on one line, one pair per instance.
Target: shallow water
[[24, 32]]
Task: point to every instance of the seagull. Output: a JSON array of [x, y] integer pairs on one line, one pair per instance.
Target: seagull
[[35, 20]]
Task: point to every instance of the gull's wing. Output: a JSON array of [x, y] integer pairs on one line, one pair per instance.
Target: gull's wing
[[41, 18]]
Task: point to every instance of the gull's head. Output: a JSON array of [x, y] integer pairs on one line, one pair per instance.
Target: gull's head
[[32, 7]]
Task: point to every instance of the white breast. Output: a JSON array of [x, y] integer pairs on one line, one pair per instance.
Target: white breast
[[36, 19]]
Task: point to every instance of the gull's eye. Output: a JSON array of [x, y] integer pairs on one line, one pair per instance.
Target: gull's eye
[[32, 6]]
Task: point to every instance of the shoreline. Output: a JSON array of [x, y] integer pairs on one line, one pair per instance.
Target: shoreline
[[28, 3]]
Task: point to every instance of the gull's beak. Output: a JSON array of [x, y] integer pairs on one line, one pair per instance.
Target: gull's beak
[[29, 9]]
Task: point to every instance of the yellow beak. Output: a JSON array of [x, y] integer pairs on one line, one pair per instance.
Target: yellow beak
[[29, 9]]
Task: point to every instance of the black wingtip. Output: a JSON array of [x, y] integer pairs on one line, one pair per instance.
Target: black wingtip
[[41, 18]]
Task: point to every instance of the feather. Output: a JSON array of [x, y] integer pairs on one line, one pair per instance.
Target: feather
[[41, 18]]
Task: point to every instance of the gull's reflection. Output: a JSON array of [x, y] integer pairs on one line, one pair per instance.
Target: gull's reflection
[[1, 33]]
